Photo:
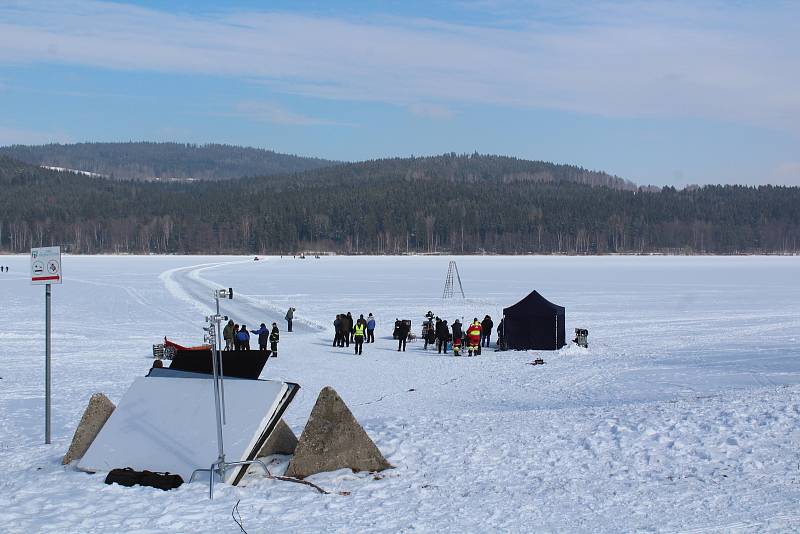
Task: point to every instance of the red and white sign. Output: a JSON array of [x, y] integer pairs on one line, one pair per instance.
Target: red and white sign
[[46, 265]]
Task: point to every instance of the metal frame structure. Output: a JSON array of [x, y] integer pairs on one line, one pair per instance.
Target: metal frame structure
[[448, 283], [213, 336]]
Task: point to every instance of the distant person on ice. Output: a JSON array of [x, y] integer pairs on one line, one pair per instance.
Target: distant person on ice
[[347, 327], [501, 339], [227, 335], [337, 329], [442, 336], [402, 334], [274, 337], [474, 337], [370, 329], [263, 336], [430, 332], [486, 331], [350, 324], [243, 337], [458, 333], [289, 317], [236, 344], [358, 334]]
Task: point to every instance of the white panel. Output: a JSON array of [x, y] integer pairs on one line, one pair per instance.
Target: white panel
[[169, 424]]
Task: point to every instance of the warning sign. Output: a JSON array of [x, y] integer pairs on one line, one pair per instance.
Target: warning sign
[[46, 265]]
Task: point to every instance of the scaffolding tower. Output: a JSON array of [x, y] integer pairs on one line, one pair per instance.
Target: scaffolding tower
[[448, 292]]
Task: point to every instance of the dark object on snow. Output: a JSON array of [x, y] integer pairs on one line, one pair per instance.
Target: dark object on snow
[[581, 335], [537, 361], [128, 477], [124, 477], [534, 323], [401, 328], [235, 363]]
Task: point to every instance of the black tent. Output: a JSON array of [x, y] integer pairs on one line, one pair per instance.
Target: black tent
[[534, 323]]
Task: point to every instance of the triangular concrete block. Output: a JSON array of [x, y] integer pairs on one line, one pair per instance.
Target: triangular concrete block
[[281, 441], [333, 439], [94, 417]]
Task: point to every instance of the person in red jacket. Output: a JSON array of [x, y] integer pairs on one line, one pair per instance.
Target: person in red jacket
[[474, 337]]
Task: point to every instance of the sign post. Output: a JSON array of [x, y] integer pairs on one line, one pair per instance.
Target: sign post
[[46, 269]]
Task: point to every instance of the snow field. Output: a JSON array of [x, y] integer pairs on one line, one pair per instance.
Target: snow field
[[681, 416]]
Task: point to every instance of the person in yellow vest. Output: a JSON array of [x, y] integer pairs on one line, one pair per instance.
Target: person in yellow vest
[[358, 335], [474, 337]]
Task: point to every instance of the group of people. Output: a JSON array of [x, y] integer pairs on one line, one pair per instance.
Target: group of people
[[3, 268], [358, 331], [476, 335], [238, 337]]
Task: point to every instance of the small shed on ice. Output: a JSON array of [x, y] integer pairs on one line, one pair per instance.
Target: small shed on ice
[[534, 323]]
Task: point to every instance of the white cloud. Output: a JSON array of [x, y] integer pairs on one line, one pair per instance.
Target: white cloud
[[733, 62], [276, 114]]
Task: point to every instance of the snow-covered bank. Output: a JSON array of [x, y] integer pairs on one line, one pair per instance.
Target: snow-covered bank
[[682, 414]]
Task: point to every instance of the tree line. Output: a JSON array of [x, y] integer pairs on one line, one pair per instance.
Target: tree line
[[163, 161], [446, 204]]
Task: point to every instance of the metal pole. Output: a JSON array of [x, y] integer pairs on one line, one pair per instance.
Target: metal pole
[[220, 447], [218, 355], [47, 373]]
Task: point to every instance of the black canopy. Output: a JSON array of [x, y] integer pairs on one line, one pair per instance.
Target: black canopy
[[534, 323]]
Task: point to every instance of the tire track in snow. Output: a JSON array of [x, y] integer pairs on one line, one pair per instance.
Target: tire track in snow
[[188, 285]]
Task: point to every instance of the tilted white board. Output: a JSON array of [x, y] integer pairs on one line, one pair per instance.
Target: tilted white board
[[169, 424]]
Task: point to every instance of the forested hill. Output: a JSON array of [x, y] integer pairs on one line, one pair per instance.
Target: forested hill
[[466, 169], [394, 212], [164, 161]]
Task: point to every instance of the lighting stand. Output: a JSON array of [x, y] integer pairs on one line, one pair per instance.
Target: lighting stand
[[213, 337]]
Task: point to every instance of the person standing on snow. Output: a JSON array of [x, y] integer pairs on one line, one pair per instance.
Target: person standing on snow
[[227, 335], [289, 317], [370, 329], [442, 336], [501, 338], [243, 337], [347, 328], [236, 344], [358, 335], [337, 329], [262, 334], [458, 333], [430, 332], [274, 337], [474, 337], [402, 334], [486, 331]]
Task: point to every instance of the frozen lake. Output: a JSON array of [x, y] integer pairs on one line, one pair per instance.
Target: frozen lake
[[682, 414]]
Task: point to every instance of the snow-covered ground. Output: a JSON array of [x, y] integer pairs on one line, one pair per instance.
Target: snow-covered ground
[[683, 415]]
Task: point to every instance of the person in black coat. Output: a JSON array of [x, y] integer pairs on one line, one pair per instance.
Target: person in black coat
[[337, 329], [442, 336], [402, 334], [347, 329], [458, 332], [274, 337], [486, 331]]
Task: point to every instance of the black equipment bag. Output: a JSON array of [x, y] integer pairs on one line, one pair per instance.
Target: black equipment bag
[[164, 481], [128, 477], [124, 477]]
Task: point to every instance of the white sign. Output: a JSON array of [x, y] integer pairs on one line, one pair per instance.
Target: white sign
[[46, 265]]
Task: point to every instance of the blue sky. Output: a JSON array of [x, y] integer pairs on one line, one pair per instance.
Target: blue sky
[[659, 93]]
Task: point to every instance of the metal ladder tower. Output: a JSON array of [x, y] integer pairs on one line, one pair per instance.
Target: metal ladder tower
[[448, 283]]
